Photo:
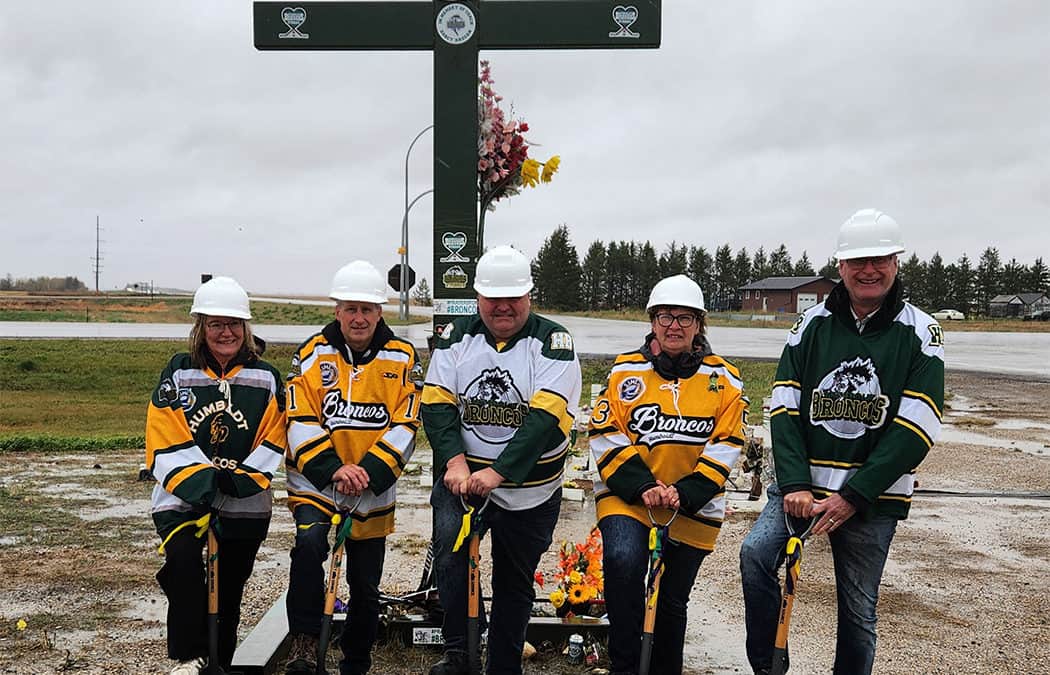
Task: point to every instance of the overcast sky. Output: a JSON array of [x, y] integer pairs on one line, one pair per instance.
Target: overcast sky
[[755, 124]]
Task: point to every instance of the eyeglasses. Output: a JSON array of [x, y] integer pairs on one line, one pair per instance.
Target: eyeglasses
[[879, 262], [220, 326], [684, 320]]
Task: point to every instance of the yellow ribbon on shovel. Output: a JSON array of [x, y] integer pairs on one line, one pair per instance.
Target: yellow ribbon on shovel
[[201, 524], [464, 529]]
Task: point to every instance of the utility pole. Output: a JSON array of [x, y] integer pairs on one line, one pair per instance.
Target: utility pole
[[97, 259]]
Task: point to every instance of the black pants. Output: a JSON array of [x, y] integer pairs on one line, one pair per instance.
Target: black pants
[[182, 578], [364, 570]]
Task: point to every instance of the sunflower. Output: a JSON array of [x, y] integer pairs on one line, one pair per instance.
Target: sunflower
[[578, 593]]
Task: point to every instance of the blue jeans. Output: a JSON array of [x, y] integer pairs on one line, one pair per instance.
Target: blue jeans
[[859, 548], [625, 562], [519, 538], [305, 601]]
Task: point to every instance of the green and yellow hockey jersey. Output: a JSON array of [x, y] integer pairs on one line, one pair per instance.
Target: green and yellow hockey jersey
[[687, 432], [347, 409], [506, 405], [856, 412], [214, 441]]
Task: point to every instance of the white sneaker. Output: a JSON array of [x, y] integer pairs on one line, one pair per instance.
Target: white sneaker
[[191, 667]]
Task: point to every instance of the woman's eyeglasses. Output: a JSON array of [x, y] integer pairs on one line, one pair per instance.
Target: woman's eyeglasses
[[220, 326], [684, 320]]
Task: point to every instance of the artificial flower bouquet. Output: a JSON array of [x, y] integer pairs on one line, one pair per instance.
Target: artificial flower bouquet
[[577, 585]]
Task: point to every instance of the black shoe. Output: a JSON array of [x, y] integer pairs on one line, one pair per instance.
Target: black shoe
[[452, 663], [302, 657]]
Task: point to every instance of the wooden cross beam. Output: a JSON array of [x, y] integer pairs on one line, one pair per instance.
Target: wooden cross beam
[[455, 31]]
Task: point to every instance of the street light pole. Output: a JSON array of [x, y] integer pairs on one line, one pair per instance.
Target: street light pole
[[403, 315], [404, 231]]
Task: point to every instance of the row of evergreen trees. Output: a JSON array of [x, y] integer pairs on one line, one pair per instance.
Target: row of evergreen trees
[[619, 275], [8, 283]]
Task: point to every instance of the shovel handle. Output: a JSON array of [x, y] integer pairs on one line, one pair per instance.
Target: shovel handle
[[213, 597]]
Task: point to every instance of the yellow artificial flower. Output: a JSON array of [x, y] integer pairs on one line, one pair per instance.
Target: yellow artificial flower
[[550, 168], [575, 577], [530, 173], [557, 597], [577, 594]]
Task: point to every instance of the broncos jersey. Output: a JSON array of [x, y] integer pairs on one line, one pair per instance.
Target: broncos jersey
[[200, 424], [856, 412], [687, 432], [352, 409], [506, 405]]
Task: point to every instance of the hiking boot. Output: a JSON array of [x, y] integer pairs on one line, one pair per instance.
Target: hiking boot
[[302, 656], [190, 667], [452, 663]]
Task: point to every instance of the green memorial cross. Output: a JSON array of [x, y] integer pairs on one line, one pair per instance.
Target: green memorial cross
[[455, 31]]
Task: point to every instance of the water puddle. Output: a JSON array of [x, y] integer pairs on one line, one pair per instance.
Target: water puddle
[[77, 490], [951, 434], [128, 509], [1020, 424], [146, 609]]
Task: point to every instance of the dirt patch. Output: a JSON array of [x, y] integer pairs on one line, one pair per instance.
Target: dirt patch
[[964, 590]]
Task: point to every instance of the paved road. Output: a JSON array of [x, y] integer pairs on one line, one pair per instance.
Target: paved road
[[1017, 354]]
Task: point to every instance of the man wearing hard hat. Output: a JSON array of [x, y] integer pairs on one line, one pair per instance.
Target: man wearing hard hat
[[352, 418], [857, 403], [498, 407]]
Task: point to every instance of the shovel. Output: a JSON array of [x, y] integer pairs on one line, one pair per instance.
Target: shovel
[[657, 537], [335, 564], [793, 566], [212, 573], [472, 527]]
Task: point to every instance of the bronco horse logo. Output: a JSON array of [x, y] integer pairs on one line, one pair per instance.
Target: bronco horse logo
[[849, 400]]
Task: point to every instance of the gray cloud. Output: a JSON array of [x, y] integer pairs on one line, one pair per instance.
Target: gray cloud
[[755, 124]]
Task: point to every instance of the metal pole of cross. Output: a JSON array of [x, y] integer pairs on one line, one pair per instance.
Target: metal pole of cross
[[404, 231]]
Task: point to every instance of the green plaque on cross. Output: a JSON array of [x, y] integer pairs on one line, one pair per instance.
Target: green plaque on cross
[[455, 32]]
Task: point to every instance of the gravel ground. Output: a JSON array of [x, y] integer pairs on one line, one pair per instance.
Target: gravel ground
[[965, 589]]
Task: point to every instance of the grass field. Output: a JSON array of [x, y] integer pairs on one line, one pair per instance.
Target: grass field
[[92, 394], [141, 309]]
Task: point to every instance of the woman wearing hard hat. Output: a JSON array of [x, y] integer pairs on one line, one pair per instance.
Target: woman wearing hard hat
[[664, 435], [215, 435]]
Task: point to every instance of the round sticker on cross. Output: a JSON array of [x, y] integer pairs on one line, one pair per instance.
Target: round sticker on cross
[[455, 23]]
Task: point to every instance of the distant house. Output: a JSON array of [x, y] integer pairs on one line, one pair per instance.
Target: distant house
[[785, 294], [1019, 305]]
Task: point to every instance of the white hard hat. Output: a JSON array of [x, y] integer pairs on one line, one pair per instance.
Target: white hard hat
[[869, 233], [221, 296], [503, 272], [359, 280], [676, 291]]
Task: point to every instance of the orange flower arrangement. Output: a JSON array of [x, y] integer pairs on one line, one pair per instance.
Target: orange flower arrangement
[[578, 579]]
